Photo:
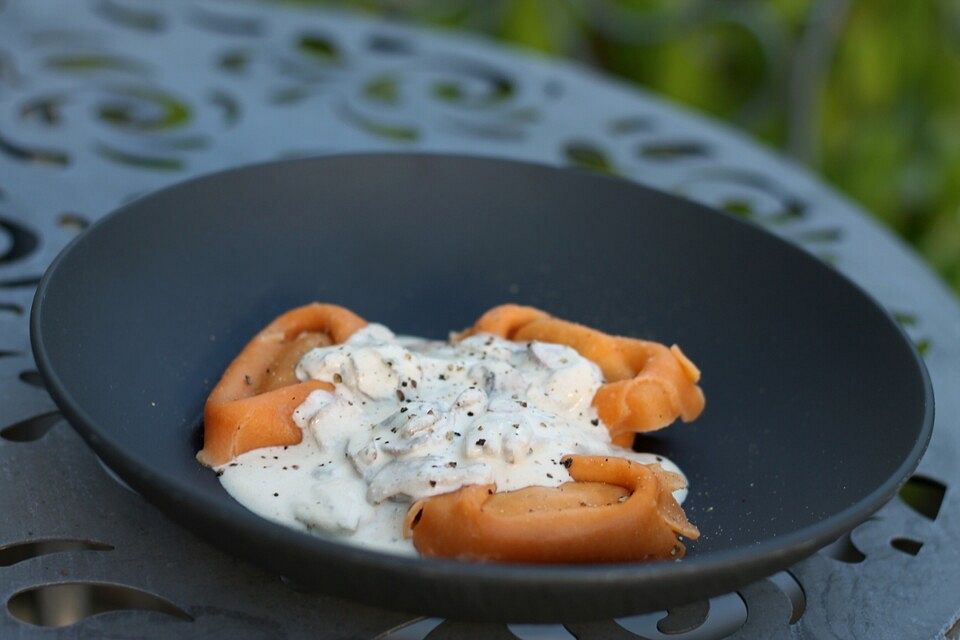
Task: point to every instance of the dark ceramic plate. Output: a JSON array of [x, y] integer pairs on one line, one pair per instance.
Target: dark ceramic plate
[[818, 407]]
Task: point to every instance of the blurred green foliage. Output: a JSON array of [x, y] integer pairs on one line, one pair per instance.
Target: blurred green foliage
[[867, 92]]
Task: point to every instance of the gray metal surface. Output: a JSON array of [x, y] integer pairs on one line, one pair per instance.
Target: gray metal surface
[[103, 100]]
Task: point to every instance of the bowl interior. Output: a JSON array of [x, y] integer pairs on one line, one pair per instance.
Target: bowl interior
[[816, 403]]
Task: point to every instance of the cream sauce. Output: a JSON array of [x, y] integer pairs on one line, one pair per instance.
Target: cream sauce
[[412, 418]]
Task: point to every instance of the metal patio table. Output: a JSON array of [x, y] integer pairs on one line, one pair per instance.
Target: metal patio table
[[104, 100]]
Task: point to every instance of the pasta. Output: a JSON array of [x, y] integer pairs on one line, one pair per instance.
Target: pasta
[[252, 405], [615, 510], [648, 385]]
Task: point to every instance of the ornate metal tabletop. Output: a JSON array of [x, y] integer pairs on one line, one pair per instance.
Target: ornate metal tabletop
[[104, 100]]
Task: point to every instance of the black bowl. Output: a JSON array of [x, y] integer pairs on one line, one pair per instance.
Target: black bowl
[[818, 407]]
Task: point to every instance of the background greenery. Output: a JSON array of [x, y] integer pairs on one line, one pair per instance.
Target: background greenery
[[867, 92]]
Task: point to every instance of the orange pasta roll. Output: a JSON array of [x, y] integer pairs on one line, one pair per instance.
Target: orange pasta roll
[[252, 405], [648, 385], [615, 510]]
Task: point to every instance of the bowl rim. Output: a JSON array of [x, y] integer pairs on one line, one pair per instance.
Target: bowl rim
[[778, 551]]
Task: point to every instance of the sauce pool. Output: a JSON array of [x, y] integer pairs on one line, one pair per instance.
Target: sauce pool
[[412, 418]]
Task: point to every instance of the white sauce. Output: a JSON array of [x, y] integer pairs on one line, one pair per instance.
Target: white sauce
[[412, 418]]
